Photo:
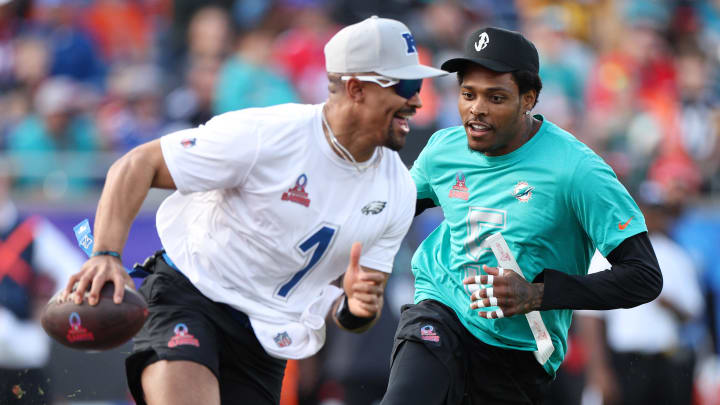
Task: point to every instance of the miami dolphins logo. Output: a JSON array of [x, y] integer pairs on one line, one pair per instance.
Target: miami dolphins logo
[[523, 191]]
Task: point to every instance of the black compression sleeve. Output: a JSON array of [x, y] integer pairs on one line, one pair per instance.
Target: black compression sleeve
[[423, 204], [633, 279]]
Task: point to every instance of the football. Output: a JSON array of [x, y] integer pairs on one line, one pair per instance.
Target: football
[[99, 327]]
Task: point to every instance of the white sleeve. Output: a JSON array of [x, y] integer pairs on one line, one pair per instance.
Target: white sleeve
[[381, 255], [680, 281], [217, 155], [54, 255]]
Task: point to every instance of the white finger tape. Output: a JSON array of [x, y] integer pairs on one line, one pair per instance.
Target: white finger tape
[[493, 301], [499, 313], [506, 259], [500, 271], [473, 287], [478, 280], [489, 292], [490, 279]]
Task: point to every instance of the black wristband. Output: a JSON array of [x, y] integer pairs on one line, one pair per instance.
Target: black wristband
[[106, 253], [347, 319]]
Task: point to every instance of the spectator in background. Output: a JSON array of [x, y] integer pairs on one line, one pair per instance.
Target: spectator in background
[[631, 93], [249, 78], [73, 51], [133, 113], [31, 63], [648, 360], [35, 258], [10, 23], [122, 29], [43, 145], [209, 36], [699, 115], [563, 66], [299, 51], [190, 105]]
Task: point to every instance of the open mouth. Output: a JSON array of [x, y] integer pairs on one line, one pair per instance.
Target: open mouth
[[478, 128], [401, 120]]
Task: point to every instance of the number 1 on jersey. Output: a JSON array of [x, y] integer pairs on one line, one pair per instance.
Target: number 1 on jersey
[[322, 238]]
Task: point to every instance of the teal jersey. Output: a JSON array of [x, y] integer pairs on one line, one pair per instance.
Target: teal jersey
[[554, 201]]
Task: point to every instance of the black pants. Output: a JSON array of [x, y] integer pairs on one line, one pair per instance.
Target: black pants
[[436, 361], [185, 325]]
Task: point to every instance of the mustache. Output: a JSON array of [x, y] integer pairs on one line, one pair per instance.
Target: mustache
[[406, 111], [471, 121]]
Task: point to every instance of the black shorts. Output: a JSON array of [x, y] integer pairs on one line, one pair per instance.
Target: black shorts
[[436, 360], [185, 325]]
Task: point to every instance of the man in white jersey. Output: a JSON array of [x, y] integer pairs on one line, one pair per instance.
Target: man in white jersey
[[272, 205]]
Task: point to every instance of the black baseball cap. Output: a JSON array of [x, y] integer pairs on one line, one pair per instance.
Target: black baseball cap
[[497, 49]]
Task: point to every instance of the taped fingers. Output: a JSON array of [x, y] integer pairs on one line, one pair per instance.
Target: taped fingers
[[489, 279], [496, 314], [479, 293]]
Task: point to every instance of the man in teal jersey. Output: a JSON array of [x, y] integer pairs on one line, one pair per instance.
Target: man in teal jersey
[[478, 332]]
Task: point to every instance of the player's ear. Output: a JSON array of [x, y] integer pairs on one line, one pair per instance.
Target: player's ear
[[354, 89], [528, 100]]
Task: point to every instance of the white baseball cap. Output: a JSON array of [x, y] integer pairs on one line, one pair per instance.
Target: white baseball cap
[[379, 45]]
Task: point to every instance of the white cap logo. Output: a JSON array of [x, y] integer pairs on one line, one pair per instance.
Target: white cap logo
[[483, 42], [380, 45]]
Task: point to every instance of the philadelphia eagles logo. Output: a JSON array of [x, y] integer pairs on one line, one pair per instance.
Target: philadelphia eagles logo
[[374, 207]]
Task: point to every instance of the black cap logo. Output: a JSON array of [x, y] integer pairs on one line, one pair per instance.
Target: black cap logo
[[482, 42], [510, 52]]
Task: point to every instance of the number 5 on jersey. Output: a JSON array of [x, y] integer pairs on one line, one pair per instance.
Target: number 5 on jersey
[[321, 240], [477, 219]]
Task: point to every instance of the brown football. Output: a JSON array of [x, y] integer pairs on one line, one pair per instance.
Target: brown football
[[99, 327]]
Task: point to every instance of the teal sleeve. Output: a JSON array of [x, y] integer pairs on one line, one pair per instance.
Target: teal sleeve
[[602, 205], [419, 175]]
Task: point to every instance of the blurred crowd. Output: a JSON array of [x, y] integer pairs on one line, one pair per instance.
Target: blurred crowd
[[83, 81], [637, 80]]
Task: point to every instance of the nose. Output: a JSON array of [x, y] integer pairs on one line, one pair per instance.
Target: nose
[[415, 101], [478, 108]]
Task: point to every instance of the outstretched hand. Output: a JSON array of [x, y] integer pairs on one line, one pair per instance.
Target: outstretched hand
[[364, 288], [505, 289]]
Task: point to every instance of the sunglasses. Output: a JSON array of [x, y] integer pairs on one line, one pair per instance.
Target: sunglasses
[[404, 88]]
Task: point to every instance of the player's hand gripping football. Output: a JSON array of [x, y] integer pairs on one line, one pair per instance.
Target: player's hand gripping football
[[93, 275], [505, 289], [364, 288]]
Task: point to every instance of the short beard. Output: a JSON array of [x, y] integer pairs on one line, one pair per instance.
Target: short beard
[[390, 142]]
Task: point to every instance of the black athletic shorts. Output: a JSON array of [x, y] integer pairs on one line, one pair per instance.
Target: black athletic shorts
[[185, 325], [437, 361]]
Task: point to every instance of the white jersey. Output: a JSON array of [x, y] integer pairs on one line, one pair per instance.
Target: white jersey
[[266, 212]]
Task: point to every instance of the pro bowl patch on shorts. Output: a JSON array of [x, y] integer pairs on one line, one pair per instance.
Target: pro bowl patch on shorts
[[427, 333], [183, 337]]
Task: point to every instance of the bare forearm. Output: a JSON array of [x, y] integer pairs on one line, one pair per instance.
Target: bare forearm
[[126, 187]]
